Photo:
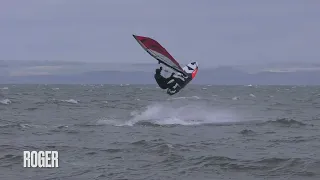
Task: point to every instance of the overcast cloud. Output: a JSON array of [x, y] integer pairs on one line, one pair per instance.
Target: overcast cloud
[[208, 31]]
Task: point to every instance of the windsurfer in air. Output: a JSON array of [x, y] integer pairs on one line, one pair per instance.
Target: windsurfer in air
[[181, 76], [176, 83], [173, 82]]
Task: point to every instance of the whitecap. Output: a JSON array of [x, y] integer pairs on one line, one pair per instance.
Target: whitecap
[[182, 97], [109, 121], [72, 101], [5, 101], [235, 98], [166, 114]]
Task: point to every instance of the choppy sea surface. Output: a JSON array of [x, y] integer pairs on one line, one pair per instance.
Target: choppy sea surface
[[138, 132]]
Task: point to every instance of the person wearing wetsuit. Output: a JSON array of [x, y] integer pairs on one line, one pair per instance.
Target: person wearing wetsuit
[[178, 82], [174, 83], [162, 81]]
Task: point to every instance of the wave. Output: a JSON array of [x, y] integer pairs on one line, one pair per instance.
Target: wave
[[5, 101], [71, 101], [145, 142], [157, 146], [278, 104], [22, 125], [260, 167], [297, 139], [174, 114], [31, 108], [107, 121], [285, 122], [248, 132], [177, 98], [235, 98], [9, 160]]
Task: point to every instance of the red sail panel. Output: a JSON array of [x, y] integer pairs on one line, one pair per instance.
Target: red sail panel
[[151, 44]]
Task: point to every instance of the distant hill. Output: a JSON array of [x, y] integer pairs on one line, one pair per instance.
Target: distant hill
[[230, 76], [218, 76]]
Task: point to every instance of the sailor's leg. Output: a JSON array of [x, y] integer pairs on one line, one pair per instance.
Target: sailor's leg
[[171, 83], [175, 86], [161, 84], [179, 81], [171, 91], [175, 89], [162, 87]]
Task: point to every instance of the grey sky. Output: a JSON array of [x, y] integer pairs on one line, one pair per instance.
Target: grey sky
[[210, 32]]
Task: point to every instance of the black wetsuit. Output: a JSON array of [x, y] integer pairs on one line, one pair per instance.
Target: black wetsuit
[[161, 81], [173, 82], [177, 85]]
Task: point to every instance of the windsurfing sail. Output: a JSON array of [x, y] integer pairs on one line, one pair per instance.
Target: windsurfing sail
[[181, 77], [158, 52]]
